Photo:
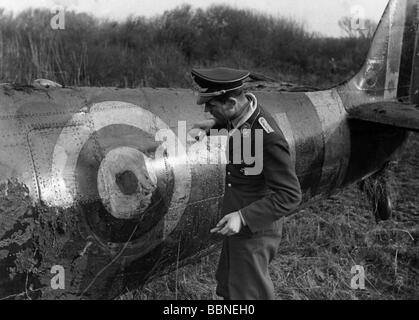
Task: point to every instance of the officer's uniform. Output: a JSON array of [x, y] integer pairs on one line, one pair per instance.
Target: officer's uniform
[[261, 199]]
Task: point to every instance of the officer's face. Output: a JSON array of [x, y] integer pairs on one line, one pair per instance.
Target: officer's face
[[219, 110]]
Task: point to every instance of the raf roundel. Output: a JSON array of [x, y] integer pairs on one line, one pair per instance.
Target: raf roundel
[[130, 194]]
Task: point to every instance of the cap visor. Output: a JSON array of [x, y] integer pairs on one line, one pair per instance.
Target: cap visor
[[203, 100]]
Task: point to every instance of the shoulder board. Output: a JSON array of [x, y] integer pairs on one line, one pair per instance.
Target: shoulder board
[[265, 125]]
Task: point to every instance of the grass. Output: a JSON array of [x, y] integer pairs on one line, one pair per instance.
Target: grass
[[322, 243]]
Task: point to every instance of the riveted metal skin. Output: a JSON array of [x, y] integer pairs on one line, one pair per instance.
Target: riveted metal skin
[[85, 184]]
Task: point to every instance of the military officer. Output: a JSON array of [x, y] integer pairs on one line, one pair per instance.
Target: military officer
[[254, 201]]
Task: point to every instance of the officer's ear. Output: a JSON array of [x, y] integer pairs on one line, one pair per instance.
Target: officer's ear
[[232, 103]]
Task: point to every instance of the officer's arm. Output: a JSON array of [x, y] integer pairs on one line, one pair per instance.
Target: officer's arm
[[207, 125], [281, 179]]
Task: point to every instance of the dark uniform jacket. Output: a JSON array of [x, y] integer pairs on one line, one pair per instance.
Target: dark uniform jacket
[[274, 193]]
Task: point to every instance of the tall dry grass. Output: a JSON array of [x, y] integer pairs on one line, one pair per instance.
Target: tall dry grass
[[160, 51]]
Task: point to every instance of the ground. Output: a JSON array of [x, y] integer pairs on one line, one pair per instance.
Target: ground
[[321, 245]]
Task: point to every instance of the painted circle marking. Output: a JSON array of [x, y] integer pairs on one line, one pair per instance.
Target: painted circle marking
[[103, 115]]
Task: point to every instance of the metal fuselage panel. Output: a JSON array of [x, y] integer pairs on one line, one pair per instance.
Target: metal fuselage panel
[[63, 144]]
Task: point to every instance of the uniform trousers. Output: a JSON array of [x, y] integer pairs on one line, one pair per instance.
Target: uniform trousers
[[242, 272]]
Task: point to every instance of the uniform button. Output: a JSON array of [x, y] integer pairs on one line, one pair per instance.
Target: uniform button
[[229, 173], [229, 185]]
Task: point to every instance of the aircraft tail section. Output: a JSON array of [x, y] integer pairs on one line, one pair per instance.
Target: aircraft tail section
[[389, 80], [391, 70]]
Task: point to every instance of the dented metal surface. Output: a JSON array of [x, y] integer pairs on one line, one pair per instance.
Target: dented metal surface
[[85, 184]]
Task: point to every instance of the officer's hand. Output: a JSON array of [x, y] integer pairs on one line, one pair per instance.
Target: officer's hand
[[201, 129], [197, 134], [230, 225]]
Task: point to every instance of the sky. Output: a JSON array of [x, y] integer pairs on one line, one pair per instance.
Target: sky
[[317, 15]]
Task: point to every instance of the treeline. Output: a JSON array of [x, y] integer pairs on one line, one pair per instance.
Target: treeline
[[160, 51]]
